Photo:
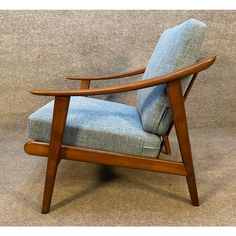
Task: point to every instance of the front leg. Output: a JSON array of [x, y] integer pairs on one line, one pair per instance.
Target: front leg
[[61, 105]]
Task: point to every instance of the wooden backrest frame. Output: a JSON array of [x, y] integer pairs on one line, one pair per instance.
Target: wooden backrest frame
[[165, 138]]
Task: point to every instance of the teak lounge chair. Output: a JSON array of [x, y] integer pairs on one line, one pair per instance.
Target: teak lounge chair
[[76, 127]]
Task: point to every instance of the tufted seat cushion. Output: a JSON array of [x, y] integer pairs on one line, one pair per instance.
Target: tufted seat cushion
[[97, 124], [177, 48]]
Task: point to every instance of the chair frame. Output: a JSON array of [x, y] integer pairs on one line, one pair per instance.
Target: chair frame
[[55, 151]]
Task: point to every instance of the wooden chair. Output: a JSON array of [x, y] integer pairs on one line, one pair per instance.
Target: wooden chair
[[56, 150]]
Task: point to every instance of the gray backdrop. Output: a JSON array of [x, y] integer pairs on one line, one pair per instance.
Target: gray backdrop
[[40, 48]]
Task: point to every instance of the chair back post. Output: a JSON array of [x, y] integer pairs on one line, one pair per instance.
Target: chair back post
[[176, 99], [165, 137]]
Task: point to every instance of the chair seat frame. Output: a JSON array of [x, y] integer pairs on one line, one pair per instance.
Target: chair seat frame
[[55, 151]]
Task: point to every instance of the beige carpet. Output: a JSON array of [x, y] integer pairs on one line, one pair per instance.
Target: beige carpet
[[134, 198], [38, 49]]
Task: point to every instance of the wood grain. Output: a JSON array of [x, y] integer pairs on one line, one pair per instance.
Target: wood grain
[[176, 99], [166, 142], [61, 105], [115, 76], [85, 84], [108, 158]]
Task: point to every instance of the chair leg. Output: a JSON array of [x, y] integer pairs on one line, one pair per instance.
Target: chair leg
[[61, 105], [51, 172], [192, 187], [180, 122], [49, 184]]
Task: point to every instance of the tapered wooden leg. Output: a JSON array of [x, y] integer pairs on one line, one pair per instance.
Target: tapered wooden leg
[[192, 187], [57, 130], [180, 122], [49, 184], [166, 144]]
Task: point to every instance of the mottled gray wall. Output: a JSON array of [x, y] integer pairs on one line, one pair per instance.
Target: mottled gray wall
[[38, 49]]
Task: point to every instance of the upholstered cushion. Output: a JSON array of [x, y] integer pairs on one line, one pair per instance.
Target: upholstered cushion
[[97, 124], [177, 47]]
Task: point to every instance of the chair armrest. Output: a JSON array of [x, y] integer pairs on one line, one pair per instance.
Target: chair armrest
[[176, 75], [115, 76]]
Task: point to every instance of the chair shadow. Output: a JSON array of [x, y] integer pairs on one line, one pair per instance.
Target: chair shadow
[[204, 197], [77, 195], [36, 205], [135, 183], [159, 191], [212, 191]]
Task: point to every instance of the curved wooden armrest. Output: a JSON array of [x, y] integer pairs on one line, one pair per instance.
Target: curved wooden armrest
[[115, 76], [201, 65]]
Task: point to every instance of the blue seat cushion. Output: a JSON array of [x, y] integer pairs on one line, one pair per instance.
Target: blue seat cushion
[[177, 48], [97, 124]]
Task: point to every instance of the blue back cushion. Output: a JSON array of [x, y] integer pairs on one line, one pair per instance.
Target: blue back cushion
[[177, 47]]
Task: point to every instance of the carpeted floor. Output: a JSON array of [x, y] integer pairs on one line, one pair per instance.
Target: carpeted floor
[[134, 198]]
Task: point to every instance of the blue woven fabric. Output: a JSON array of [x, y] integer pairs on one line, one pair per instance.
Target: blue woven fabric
[[97, 124], [177, 47]]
